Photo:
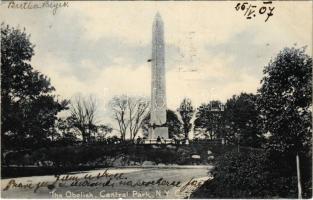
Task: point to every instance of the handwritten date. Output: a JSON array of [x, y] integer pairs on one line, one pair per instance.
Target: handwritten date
[[251, 10]]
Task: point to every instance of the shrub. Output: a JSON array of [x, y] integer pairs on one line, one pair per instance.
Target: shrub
[[249, 175]]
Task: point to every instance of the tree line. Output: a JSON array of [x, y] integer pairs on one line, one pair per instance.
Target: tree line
[[280, 111]]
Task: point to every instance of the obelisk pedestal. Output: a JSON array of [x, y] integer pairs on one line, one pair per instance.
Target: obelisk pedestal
[[158, 125]]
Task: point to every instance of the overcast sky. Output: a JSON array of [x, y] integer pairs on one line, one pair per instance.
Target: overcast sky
[[212, 50]]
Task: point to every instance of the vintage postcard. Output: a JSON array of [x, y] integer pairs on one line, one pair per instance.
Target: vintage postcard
[[156, 100]]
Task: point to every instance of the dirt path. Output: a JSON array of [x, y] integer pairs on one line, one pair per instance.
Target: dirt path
[[173, 182]]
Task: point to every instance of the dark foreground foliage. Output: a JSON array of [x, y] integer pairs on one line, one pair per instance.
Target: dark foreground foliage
[[62, 159], [256, 174], [29, 107]]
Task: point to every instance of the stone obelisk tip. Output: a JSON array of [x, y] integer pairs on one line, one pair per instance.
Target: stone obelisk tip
[[158, 17]]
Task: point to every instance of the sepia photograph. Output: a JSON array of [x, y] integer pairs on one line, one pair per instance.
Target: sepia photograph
[[156, 99]]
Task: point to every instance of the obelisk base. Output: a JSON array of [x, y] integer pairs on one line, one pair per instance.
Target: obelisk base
[[156, 132]]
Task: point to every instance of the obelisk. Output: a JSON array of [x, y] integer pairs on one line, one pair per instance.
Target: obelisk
[[158, 126]]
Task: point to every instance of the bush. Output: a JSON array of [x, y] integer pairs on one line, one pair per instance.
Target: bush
[[249, 175], [106, 155], [68, 156]]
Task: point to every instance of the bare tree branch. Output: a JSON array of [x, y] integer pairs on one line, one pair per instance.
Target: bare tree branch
[[129, 112], [83, 115]]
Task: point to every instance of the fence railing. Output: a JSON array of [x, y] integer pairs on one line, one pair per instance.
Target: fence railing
[[219, 141], [209, 142], [155, 141]]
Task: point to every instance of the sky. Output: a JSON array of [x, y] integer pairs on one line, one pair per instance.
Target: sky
[[212, 51]]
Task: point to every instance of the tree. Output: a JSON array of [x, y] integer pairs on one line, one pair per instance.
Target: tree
[[103, 131], [66, 133], [129, 113], [83, 116], [29, 109], [186, 112], [286, 98], [172, 122], [208, 122], [83, 119], [119, 107], [285, 103], [241, 117], [138, 109]]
